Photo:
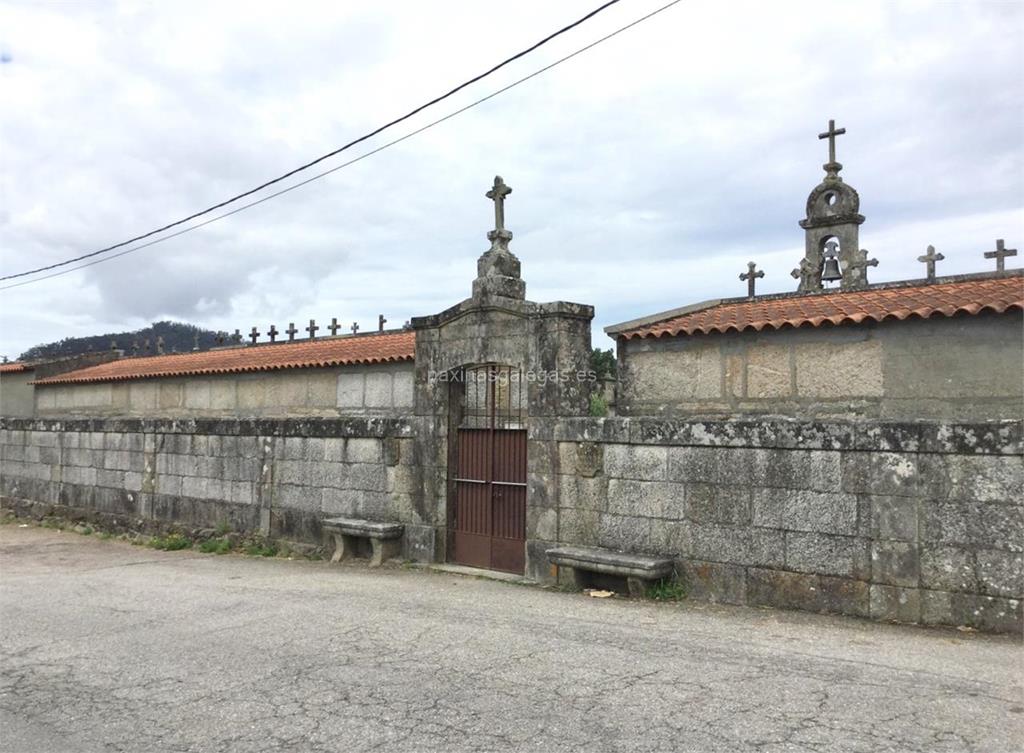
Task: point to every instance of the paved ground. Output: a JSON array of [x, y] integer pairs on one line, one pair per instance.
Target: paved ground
[[110, 647]]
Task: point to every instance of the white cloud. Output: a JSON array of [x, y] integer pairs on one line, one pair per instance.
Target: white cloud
[[646, 172]]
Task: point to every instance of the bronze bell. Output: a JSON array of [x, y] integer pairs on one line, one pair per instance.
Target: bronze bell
[[831, 272]]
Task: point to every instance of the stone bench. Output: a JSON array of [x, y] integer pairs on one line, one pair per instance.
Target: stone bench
[[637, 569], [385, 538]]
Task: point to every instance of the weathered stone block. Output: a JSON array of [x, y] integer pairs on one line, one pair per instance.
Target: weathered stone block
[[628, 534], [363, 450], [541, 523], [648, 499], [827, 554], [895, 604], [378, 390], [716, 543], [635, 462], [402, 389], [849, 369], [579, 526], [946, 568], [815, 470], [936, 607], [672, 537], [709, 503], [813, 593], [989, 613], [895, 563], [669, 377], [1000, 573], [893, 518], [882, 473], [769, 372], [766, 548], [350, 390], [714, 582]]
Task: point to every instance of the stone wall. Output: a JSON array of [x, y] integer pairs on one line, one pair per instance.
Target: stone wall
[[962, 368], [280, 477], [382, 389], [918, 522], [16, 393]]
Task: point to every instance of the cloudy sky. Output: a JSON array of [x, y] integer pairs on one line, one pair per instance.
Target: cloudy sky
[[646, 172]]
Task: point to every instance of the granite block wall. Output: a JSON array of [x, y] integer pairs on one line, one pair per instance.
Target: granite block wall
[[355, 390], [916, 522], [952, 369], [278, 476]]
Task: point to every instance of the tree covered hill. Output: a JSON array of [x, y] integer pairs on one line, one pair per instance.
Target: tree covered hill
[[177, 336]]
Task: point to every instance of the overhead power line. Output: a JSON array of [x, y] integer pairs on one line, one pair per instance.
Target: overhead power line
[[318, 176], [337, 151]]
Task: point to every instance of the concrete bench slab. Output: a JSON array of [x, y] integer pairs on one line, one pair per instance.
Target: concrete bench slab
[[385, 538], [637, 569]]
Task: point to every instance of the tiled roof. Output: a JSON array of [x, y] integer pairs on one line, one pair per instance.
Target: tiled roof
[[330, 351], [923, 300], [7, 368]]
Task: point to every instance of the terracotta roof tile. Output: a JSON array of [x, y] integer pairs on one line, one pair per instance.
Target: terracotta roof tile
[[7, 368], [921, 300], [382, 348]]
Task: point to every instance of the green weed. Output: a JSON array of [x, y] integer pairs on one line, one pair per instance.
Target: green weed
[[215, 546], [666, 590], [171, 543]]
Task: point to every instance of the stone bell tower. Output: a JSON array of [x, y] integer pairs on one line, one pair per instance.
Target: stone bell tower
[[832, 229]]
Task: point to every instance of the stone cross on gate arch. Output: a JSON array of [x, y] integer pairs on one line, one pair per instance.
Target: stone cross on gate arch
[[497, 194], [254, 335], [929, 260], [273, 333], [291, 330], [831, 134], [751, 276], [1000, 255], [334, 326], [312, 328]]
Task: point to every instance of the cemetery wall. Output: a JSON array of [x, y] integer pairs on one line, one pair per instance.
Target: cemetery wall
[[278, 476], [379, 389], [913, 522], [960, 368]]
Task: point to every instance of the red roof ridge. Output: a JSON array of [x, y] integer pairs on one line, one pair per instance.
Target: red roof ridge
[[967, 294], [321, 352]]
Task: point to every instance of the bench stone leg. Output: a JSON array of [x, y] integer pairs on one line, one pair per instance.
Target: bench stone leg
[[581, 578], [343, 547], [384, 549], [637, 587]]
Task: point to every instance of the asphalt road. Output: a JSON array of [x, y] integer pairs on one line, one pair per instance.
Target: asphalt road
[[110, 647]]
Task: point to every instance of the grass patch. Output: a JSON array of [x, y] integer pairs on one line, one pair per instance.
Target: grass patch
[[260, 548], [215, 546], [106, 535], [223, 528], [171, 543], [666, 590]]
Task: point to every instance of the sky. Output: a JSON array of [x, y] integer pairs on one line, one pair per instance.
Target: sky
[[646, 172]]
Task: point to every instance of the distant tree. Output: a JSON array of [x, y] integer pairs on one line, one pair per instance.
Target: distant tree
[[603, 363], [177, 336]]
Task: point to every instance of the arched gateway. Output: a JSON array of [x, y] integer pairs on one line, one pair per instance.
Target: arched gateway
[[485, 369]]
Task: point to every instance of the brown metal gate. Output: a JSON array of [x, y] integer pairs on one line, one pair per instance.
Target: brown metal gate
[[489, 472]]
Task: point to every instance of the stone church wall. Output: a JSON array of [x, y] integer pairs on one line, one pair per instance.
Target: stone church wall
[[914, 522], [380, 389], [278, 476], [961, 369]]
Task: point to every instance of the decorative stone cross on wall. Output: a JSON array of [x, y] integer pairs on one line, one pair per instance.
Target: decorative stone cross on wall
[[355, 328], [857, 270], [312, 328], [929, 260], [272, 333], [254, 335], [291, 331], [381, 321], [751, 276], [497, 194], [334, 326], [237, 337], [1000, 255]]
